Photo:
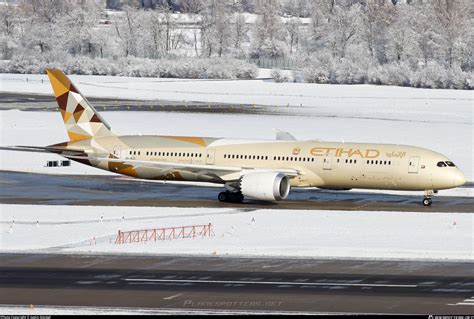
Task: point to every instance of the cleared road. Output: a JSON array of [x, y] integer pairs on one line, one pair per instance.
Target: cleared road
[[43, 189], [250, 284], [40, 102]]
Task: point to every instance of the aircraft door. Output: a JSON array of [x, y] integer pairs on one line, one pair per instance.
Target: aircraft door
[[327, 163], [118, 151], [413, 165], [210, 157]]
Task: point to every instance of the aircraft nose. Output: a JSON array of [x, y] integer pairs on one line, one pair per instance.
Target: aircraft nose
[[459, 179]]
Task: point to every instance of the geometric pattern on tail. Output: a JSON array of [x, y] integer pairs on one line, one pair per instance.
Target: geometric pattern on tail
[[80, 118]]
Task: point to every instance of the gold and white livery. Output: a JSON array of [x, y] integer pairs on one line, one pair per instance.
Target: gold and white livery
[[259, 169]]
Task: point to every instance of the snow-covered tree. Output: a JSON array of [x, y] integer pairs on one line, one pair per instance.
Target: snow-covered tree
[[453, 19], [8, 22], [344, 23], [297, 8], [216, 32], [412, 43], [268, 31], [128, 32], [240, 30], [293, 31], [402, 37], [375, 19], [223, 28]]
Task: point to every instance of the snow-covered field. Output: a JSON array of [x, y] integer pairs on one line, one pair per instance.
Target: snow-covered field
[[331, 234], [348, 98]]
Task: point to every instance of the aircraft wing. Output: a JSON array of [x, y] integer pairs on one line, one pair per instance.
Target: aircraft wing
[[164, 166], [196, 168]]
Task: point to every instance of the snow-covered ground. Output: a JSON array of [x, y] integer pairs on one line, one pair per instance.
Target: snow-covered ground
[[349, 98], [331, 234]]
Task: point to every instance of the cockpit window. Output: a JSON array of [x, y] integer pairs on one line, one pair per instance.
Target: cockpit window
[[441, 164], [450, 164]]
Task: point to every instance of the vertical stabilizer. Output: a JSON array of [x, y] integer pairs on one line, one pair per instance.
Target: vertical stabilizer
[[82, 121]]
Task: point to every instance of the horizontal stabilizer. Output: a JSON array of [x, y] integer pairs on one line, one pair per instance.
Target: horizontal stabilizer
[[39, 149]]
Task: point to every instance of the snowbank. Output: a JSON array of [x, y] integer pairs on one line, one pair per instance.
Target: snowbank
[[328, 234], [205, 68]]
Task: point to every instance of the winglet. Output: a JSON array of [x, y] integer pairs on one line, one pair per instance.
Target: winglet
[[283, 136]]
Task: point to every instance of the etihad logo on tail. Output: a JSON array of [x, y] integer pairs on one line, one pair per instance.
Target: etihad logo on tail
[[338, 152]]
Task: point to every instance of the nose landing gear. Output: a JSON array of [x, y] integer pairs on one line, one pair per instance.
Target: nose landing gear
[[427, 200]]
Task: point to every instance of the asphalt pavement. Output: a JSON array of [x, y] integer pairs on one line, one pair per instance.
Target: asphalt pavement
[[45, 189], [243, 284]]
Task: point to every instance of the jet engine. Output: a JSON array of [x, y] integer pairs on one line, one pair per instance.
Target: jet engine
[[267, 186]]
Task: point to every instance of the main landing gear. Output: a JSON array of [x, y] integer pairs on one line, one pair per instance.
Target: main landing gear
[[427, 200], [230, 197]]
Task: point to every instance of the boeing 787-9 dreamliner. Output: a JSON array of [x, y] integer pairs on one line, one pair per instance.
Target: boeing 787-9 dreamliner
[[258, 169]]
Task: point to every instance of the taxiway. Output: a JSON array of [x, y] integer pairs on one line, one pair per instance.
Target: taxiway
[[239, 284], [44, 189]]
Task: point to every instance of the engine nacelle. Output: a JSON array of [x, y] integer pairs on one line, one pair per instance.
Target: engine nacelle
[[268, 186]]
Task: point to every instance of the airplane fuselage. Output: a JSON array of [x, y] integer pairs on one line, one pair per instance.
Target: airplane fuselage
[[329, 165]]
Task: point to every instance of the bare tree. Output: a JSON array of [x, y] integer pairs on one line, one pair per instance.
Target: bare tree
[[293, 31], [344, 23], [240, 30], [298, 8], [402, 43], [127, 31], [268, 30], [454, 23], [223, 27], [8, 20], [207, 30], [215, 28], [376, 18]]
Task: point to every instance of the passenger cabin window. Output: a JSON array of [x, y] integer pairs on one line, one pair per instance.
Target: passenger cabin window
[[441, 164]]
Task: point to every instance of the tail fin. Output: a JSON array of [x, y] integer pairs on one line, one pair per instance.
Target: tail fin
[[82, 121]]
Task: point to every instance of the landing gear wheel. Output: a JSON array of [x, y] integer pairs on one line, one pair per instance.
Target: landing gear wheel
[[223, 197], [427, 201], [230, 197], [236, 198]]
